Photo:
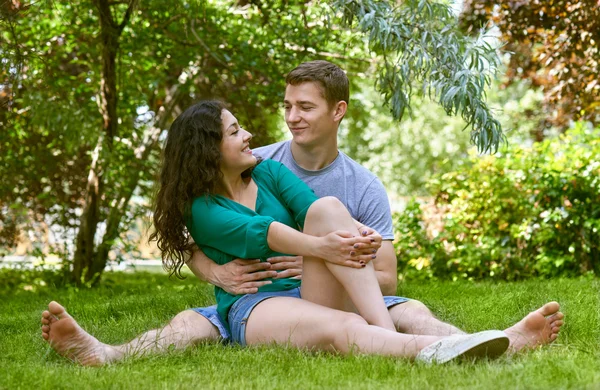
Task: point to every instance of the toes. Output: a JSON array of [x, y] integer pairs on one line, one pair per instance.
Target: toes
[[45, 321], [556, 326], [556, 316], [57, 310], [45, 329], [45, 336], [553, 336], [549, 309]]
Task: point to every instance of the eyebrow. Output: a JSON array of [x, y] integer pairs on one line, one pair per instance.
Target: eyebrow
[[233, 124], [301, 102]]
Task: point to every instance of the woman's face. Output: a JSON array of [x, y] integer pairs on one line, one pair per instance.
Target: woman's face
[[236, 155]]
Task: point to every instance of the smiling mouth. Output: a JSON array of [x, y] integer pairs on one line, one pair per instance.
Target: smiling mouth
[[246, 149]]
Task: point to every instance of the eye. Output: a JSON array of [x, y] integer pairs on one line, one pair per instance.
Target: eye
[[235, 132]]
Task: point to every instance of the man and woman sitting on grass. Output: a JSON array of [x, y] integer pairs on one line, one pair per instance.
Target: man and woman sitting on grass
[[301, 197]]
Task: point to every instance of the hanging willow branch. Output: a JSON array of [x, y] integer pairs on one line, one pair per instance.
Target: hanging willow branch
[[419, 40]]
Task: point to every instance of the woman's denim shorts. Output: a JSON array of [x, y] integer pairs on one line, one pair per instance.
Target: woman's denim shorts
[[241, 309]]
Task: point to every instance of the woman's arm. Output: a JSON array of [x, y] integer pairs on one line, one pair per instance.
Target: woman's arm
[[336, 247]]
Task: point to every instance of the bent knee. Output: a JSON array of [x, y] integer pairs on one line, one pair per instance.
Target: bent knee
[[327, 204]]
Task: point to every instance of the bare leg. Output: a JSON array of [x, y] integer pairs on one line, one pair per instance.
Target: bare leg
[[68, 339], [415, 318], [305, 325], [336, 286], [538, 328]]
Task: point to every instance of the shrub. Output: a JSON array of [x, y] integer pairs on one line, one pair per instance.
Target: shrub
[[530, 211]]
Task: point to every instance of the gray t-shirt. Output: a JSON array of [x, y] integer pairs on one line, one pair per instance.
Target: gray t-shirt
[[354, 185]]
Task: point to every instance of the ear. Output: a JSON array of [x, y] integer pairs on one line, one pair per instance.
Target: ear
[[340, 110]]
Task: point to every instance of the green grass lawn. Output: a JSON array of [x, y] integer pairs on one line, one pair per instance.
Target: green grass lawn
[[129, 304]]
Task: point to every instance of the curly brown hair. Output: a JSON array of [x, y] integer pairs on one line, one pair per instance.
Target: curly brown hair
[[190, 168]]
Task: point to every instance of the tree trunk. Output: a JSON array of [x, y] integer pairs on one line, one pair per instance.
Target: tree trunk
[[87, 264]]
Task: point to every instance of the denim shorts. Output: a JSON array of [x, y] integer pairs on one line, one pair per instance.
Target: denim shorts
[[241, 309], [210, 313]]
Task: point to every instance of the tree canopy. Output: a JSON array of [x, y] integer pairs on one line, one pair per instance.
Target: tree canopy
[[88, 88], [555, 45]]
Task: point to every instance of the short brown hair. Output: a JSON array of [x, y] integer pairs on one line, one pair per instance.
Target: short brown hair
[[331, 79]]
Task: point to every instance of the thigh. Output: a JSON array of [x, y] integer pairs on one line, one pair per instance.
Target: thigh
[[295, 322]]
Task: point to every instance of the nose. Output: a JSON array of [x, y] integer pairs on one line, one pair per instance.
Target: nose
[[292, 115], [247, 136]]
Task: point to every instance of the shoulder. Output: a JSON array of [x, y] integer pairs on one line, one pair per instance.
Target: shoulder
[[356, 169], [202, 203], [273, 151], [268, 172], [268, 166]]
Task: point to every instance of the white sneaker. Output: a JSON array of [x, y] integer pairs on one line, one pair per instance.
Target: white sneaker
[[490, 343]]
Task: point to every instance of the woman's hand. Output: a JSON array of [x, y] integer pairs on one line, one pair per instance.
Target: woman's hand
[[344, 248], [375, 237]]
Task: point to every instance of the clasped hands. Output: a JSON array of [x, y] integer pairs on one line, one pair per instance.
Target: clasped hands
[[340, 247]]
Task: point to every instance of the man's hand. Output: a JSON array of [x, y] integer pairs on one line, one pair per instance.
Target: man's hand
[[244, 276], [290, 266]]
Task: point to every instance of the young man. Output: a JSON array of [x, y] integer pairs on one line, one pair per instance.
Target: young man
[[316, 100]]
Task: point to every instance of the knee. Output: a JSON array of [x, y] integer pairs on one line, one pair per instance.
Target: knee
[[185, 319], [327, 205], [345, 330], [193, 326], [415, 308]]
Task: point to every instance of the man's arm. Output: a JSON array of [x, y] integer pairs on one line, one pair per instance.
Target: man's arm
[[236, 277], [385, 268]]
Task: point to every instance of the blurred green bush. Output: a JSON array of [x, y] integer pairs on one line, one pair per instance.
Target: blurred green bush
[[527, 212]]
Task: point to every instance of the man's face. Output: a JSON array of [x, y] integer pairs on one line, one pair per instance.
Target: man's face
[[308, 116]]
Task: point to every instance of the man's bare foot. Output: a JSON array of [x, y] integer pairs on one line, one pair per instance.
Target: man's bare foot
[[69, 340], [537, 328]]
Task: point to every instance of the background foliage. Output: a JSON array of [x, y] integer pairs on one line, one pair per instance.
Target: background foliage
[[89, 87], [555, 46], [530, 211]]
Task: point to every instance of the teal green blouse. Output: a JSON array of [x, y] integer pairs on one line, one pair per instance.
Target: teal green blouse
[[226, 230]]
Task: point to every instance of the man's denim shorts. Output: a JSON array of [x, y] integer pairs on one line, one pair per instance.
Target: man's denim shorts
[[241, 309]]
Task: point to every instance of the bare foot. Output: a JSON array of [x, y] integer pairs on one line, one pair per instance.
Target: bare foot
[[69, 340], [538, 328]]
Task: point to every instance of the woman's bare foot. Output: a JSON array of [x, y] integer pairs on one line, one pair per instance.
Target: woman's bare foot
[[537, 328], [69, 340]]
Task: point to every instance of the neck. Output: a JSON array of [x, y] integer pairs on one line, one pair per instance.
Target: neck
[[313, 158], [232, 185]]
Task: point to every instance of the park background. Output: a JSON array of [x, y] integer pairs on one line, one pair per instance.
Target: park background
[[481, 118]]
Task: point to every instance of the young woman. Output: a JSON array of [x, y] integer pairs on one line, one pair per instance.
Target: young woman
[[233, 206]]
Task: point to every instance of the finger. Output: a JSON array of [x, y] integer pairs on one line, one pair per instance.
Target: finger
[[257, 267], [363, 258], [344, 233], [352, 264], [284, 266], [298, 277], [246, 261], [282, 259], [251, 287], [360, 247], [258, 276], [290, 273]]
